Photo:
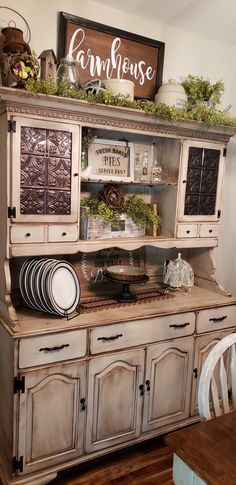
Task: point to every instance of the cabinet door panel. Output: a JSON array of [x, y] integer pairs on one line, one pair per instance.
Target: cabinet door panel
[[169, 372], [51, 420], [201, 178], [114, 400], [44, 164]]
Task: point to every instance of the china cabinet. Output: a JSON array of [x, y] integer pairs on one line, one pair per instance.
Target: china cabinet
[[76, 388]]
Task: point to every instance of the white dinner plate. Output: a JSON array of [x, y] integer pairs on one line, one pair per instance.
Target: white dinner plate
[[63, 289]]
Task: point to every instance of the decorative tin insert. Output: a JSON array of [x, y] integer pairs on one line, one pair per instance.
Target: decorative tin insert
[[45, 171], [202, 177]]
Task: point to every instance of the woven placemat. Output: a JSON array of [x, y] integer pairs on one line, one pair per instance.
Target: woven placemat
[[96, 304]]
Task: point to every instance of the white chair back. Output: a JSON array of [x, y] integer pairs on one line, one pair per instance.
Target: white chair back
[[217, 383]]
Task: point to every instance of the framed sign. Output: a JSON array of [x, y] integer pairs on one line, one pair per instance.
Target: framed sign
[[110, 160], [103, 52]]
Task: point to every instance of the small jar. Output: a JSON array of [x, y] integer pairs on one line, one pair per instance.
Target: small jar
[[156, 172], [172, 94], [67, 71]]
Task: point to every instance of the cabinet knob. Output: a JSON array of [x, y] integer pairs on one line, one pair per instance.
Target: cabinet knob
[[195, 373], [141, 389], [82, 402], [76, 174], [147, 382], [184, 181], [63, 233], [27, 234]]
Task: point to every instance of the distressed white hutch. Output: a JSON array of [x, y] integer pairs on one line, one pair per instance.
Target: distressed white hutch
[[72, 390]]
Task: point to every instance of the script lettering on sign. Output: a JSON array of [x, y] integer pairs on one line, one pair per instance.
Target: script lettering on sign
[[115, 65]]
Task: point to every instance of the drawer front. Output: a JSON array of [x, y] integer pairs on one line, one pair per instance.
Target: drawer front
[[52, 348], [27, 234], [187, 230], [139, 332], [216, 319], [62, 233], [209, 230]]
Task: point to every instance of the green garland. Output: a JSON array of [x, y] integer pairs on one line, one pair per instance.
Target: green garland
[[200, 112]]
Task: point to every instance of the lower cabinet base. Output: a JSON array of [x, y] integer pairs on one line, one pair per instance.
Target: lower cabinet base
[[36, 479], [44, 477]]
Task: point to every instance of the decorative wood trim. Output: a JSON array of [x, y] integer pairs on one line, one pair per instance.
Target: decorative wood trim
[[126, 119]]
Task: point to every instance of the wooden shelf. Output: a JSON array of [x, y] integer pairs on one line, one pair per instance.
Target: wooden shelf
[[164, 183]]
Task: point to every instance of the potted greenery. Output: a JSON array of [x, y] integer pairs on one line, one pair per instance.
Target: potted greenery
[[134, 208], [201, 90]]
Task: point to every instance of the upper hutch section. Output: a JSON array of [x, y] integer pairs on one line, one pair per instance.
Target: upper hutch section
[[42, 180]]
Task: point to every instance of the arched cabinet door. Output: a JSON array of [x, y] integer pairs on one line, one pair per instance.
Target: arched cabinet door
[[51, 416], [167, 383], [114, 399]]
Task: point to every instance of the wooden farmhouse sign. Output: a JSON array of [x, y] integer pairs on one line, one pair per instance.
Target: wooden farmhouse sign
[[103, 52]]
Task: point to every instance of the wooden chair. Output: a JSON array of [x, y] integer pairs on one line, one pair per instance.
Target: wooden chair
[[217, 383]]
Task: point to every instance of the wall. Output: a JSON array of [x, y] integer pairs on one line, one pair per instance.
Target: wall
[[184, 53]]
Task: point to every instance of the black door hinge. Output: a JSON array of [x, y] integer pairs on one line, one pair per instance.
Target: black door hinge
[[224, 152], [218, 214], [17, 465], [11, 212], [19, 384], [11, 126]]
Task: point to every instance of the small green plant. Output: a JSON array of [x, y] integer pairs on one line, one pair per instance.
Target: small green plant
[[135, 207], [140, 212], [199, 89]]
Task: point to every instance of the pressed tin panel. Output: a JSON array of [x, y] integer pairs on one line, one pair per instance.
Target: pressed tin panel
[[45, 171], [202, 179]]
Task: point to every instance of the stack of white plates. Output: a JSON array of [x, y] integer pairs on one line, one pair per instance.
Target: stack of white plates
[[50, 285]]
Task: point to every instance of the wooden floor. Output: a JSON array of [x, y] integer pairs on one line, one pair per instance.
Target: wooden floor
[[148, 463]]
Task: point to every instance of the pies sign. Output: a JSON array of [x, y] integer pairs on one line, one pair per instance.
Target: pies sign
[[103, 52]]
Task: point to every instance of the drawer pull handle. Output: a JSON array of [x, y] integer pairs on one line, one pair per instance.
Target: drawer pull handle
[[27, 234], [53, 349], [63, 233], [188, 231], [109, 339], [219, 319], [210, 231], [179, 325], [82, 402]]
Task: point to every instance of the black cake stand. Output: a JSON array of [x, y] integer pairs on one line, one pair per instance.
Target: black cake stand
[[126, 296]]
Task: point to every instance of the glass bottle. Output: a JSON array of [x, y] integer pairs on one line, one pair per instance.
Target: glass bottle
[[84, 161], [144, 176], [137, 167], [156, 172], [67, 71]]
